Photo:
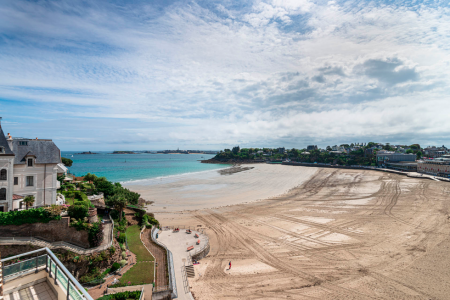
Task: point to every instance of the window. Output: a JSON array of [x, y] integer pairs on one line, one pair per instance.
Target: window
[[16, 180], [3, 173], [30, 162], [3, 194], [29, 180], [2, 150], [23, 143]]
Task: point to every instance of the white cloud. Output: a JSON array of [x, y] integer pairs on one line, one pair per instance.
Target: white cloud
[[278, 71]]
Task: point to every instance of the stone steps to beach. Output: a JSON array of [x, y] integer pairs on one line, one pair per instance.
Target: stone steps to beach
[[190, 271]]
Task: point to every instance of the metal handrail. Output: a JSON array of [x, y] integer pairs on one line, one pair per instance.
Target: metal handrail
[[68, 274]]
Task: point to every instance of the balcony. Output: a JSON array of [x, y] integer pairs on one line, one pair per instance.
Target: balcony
[[39, 275]]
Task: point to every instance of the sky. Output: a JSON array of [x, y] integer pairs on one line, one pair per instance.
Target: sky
[[163, 74]]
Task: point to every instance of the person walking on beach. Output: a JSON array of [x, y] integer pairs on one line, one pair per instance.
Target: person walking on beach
[[229, 265]]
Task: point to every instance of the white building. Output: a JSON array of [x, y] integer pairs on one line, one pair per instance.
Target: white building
[[390, 156], [27, 167]]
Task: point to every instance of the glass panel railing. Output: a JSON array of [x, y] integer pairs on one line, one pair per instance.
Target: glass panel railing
[[62, 280], [22, 266], [52, 267], [74, 294]]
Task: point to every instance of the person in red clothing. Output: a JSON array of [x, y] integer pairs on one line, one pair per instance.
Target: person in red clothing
[[230, 266]]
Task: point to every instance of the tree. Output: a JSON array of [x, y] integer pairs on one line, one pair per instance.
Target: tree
[[90, 177], [105, 187], [66, 161], [78, 211], [236, 150], [409, 151], [28, 200], [419, 154], [119, 203], [329, 148]]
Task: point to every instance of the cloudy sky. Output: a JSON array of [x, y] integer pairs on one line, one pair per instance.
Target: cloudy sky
[[118, 75]]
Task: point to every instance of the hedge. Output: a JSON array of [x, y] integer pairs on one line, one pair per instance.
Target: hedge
[[122, 296], [33, 215]]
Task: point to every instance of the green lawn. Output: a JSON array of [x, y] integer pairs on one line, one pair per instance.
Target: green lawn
[[136, 246], [140, 273]]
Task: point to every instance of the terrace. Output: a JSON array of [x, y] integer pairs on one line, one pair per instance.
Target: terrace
[[39, 275]]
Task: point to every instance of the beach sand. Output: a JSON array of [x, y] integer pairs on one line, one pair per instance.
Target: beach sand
[[212, 189], [317, 233]]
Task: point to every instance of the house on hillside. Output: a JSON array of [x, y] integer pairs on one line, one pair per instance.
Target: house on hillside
[[27, 167]]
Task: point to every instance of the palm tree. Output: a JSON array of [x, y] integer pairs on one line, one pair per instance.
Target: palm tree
[[28, 200], [120, 203]]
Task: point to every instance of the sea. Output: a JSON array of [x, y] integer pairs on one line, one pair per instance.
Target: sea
[[127, 168]]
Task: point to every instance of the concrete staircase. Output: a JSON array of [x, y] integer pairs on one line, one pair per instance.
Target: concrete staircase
[[190, 271]]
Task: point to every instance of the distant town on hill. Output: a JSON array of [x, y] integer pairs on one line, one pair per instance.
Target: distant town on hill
[[366, 154]]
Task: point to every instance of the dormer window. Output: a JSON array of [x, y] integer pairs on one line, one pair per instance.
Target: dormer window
[[23, 143], [30, 162], [2, 150]]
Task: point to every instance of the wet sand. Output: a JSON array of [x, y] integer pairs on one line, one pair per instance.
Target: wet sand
[[211, 189]]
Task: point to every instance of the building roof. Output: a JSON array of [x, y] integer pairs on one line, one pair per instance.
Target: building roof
[[45, 151], [17, 197], [61, 167], [4, 143]]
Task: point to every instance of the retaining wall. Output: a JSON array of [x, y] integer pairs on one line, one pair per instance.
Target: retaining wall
[[53, 231]]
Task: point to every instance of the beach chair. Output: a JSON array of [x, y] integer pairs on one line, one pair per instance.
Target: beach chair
[[190, 248], [198, 242], [188, 231], [196, 236], [176, 229]]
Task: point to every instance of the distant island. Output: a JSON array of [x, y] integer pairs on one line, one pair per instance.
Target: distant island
[[87, 153], [124, 152]]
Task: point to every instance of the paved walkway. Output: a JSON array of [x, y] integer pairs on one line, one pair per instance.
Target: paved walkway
[[160, 257], [177, 242]]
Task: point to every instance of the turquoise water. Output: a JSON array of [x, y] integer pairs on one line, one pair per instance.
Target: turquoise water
[[129, 167]]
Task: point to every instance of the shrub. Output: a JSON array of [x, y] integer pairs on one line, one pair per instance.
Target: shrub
[[115, 267], [78, 211], [104, 255], [36, 215], [112, 250], [124, 255], [123, 262], [121, 238], [96, 234], [122, 296], [122, 247]]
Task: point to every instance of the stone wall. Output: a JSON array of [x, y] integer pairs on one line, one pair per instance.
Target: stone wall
[[53, 231]]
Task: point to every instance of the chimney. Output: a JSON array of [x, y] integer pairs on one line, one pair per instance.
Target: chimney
[[10, 144], [36, 138]]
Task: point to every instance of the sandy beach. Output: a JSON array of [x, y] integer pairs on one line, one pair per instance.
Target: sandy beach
[[212, 189], [317, 233]]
